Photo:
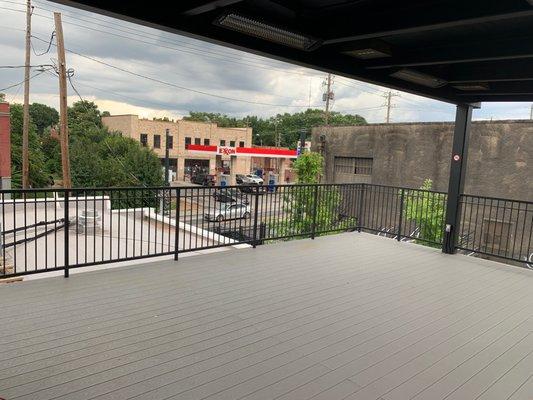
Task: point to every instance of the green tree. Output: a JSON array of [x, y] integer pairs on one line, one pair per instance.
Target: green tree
[[309, 205], [426, 209], [43, 116], [38, 174], [309, 167], [285, 127], [221, 120]]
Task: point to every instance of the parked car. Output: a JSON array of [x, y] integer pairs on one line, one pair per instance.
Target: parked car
[[230, 196], [203, 179], [226, 211], [238, 179], [256, 189], [252, 179]]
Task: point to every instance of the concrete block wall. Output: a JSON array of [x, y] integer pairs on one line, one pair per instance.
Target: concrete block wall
[[500, 158]]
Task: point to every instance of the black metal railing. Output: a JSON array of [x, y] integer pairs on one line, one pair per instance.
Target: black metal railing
[[56, 230], [403, 213], [497, 227]]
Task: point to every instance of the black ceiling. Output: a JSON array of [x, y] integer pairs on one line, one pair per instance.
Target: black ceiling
[[480, 50]]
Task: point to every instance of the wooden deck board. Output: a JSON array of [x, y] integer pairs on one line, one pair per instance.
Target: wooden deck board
[[344, 316]]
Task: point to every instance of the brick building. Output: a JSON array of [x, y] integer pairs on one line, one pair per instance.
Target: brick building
[[5, 146], [151, 133], [205, 146]]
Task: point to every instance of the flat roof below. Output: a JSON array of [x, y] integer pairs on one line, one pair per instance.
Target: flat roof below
[[350, 316]]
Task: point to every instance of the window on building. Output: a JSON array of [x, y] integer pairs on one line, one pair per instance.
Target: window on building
[[187, 141], [157, 141], [353, 165], [222, 142], [232, 143], [170, 141], [206, 142], [144, 139], [241, 144], [197, 140]]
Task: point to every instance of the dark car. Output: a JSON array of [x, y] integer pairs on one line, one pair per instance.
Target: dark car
[[230, 196], [255, 189], [239, 179], [203, 179]]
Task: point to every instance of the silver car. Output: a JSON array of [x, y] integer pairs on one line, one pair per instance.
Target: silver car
[[227, 211]]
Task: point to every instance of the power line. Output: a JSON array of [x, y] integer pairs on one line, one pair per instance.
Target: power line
[[176, 85], [20, 83], [47, 49], [23, 66]]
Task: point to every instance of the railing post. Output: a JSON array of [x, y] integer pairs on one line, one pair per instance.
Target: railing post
[[400, 221], [256, 212], [461, 135], [66, 222], [262, 233], [360, 208], [177, 228], [315, 202]]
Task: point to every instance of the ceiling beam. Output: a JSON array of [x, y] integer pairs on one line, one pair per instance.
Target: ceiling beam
[[497, 89], [510, 49], [209, 6], [518, 70], [410, 20]]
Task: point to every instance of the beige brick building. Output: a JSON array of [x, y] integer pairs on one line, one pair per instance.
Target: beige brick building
[[152, 134]]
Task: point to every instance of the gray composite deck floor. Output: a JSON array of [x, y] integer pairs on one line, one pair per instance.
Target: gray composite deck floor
[[349, 316]]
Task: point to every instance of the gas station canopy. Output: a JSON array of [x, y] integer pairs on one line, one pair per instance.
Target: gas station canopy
[[458, 51]]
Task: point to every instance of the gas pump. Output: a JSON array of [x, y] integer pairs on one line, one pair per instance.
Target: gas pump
[[224, 179]]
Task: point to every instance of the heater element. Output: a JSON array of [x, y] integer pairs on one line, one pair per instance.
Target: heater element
[[262, 30], [419, 78]]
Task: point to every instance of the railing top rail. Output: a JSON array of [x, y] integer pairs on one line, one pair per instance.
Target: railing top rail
[[497, 198], [123, 188], [404, 188]]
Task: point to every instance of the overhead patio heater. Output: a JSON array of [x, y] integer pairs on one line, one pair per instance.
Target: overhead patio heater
[[419, 78], [265, 31]]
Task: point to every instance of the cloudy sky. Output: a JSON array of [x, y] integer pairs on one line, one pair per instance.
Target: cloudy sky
[[127, 68]]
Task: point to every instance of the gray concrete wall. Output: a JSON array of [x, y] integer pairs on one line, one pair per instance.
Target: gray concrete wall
[[500, 159]]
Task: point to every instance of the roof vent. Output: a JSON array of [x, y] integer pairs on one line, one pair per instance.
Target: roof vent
[[419, 78], [262, 30]]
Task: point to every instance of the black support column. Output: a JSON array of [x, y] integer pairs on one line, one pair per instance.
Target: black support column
[[463, 119]]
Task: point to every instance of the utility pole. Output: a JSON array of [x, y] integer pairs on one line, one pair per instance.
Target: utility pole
[[26, 111], [327, 97], [531, 112], [63, 122], [309, 100], [303, 135], [388, 97]]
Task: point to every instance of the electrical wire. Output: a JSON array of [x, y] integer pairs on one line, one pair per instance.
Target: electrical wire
[[70, 74], [47, 49], [264, 62], [23, 81], [204, 52], [160, 81]]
